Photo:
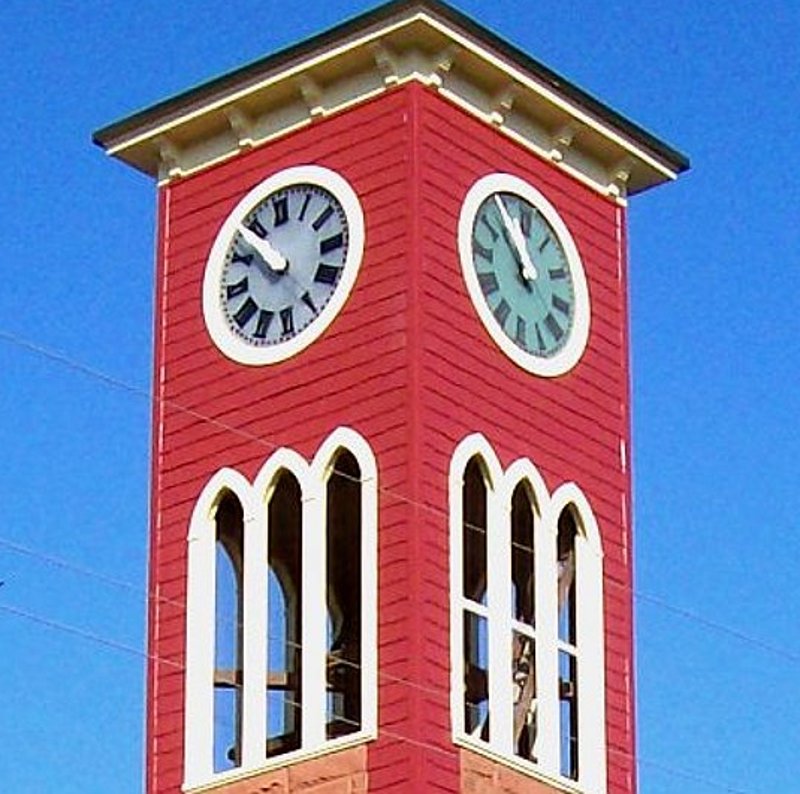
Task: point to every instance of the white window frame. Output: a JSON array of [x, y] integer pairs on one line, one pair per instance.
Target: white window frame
[[201, 598], [500, 485]]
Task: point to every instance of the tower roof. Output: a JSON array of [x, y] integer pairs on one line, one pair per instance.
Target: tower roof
[[399, 41]]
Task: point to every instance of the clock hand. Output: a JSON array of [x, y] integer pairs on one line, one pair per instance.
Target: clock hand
[[264, 249], [518, 240]]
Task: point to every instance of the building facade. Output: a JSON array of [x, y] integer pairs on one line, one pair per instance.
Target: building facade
[[391, 530]]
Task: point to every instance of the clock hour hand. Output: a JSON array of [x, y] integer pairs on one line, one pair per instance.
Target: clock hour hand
[[275, 261], [518, 241]]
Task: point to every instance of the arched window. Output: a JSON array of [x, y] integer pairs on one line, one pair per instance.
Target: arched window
[[284, 617], [228, 634], [474, 582], [567, 645], [523, 640], [528, 683], [281, 636], [343, 596]]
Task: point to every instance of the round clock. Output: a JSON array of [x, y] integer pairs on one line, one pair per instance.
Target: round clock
[[524, 274], [283, 264]]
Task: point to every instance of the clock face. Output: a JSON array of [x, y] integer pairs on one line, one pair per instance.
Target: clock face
[[524, 274], [283, 264]]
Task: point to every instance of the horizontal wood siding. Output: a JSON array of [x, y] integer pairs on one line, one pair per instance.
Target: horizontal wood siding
[[409, 366], [571, 427], [216, 413]]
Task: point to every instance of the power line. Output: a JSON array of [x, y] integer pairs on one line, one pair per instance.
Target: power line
[[133, 651], [102, 377]]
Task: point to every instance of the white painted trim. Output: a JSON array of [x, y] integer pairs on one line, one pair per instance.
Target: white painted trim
[[390, 36], [200, 630], [233, 346], [199, 705], [566, 358], [590, 648]]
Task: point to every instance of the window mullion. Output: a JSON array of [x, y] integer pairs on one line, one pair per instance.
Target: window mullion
[[254, 662], [591, 681], [547, 634], [501, 696], [314, 612], [201, 605]]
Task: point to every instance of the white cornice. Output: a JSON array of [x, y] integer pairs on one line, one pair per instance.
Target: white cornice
[[186, 136]]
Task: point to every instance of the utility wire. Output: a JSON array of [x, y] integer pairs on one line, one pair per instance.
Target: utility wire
[[118, 383], [133, 651]]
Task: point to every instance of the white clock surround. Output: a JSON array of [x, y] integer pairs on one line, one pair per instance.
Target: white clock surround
[[569, 355], [237, 348]]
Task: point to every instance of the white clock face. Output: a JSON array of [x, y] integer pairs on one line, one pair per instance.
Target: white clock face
[[524, 274], [282, 265]]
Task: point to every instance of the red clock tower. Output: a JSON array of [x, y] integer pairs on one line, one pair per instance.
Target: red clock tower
[[391, 536]]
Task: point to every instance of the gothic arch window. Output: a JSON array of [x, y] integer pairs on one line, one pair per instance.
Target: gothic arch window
[[228, 633], [281, 626], [343, 596], [284, 615], [527, 646]]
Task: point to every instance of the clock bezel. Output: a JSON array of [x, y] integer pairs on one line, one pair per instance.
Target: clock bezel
[[226, 340], [568, 356]]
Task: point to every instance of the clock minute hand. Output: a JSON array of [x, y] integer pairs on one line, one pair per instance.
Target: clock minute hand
[[264, 249], [518, 239]]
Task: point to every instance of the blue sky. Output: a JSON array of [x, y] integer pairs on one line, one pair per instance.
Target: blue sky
[[714, 282]]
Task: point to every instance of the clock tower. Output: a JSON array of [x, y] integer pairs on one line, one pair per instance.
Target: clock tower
[[390, 545]]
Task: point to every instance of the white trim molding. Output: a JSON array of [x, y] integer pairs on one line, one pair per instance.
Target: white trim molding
[[496, 737], [577, 334], [254, 498], [401, 43], [240, 347]]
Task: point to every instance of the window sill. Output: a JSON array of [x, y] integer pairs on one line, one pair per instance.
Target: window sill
[[297, 758], [524, 768]]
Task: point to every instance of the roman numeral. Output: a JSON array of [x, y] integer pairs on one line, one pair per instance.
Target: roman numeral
[[331, 244], [264, 320], [488, 283], [543, 244], [521, 336], [287, 321], [501, 312], [552, 325], [558, 273], [326, 274], [486, 253], [243, 258], [246, 311], [525, 220], [306, 298], [303, 209], [495, 234], [257, 227], [539, 338], [561, 305], [239, 288], [280, 206], [322, 218]]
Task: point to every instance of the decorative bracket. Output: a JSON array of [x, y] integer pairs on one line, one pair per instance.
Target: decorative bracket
[[386, 62], [312, 95], [241, 126], [619, 175], [561, 141], [443, 63], [502, 103], [169, 156]]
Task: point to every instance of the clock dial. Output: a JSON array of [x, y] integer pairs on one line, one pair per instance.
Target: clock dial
[[283, 264], [524, 274]]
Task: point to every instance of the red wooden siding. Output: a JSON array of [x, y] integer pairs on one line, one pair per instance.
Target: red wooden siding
[[571, 427], [408, 365]]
